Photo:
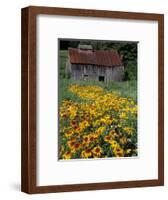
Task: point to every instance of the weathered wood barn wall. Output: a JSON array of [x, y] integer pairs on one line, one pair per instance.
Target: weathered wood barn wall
[[94, 65]]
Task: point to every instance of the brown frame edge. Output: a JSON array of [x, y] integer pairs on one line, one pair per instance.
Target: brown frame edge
[[28, 103]]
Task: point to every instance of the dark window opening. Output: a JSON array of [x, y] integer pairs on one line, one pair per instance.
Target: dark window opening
[[85, 77], [101, 78]]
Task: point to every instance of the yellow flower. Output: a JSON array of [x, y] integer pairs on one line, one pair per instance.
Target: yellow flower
[[119, 125], [70, 144], [73, 123], [78, 130], [92, 137], [73, 138], [114, 143], [69, 133], [106, 120], [128, 130], [118, 152], [95, 135], [123, 115], [97, 151], [96, 123], [86, 153], [61, 150], [84, 124], [100, 130], [128, 151], [85, 140], [113, 134], [67, 155], [76, 147], [132, 103], [107, 138], [123, 140]]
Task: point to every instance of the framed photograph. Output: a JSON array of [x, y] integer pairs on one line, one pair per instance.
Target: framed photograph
[[92, 99]]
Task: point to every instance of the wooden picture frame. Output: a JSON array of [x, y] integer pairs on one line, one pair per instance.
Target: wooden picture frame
[[28, 76]]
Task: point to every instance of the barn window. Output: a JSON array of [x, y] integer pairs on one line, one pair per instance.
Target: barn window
[[101, 78], [85, 77]]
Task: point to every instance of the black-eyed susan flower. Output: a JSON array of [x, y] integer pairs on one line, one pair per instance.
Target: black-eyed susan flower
[[118, 152], [86, 153], [84, 124], [70, 144], [113, 143], [73, 123], [67, 155], [76, 147], [97, 151], [78, 130], [85, 140], [113, 134], [92, 137], [69, 133], [107, 138]]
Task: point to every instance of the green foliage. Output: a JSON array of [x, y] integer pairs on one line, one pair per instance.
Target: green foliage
[[130, 72], [63, 55]]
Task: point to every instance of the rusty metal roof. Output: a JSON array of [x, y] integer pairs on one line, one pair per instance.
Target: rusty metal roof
[[96, 57]]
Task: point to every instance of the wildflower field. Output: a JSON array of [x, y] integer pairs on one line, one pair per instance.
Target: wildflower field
[[95, 122]]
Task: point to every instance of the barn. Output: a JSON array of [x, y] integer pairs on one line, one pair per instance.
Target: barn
[[84, 63]]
